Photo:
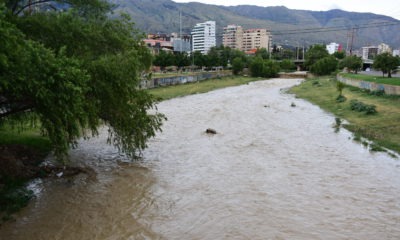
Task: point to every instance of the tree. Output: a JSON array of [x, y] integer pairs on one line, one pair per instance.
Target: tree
[[164, 59], [237, 65], [352, 63], [386, 63], [75, 70], [314, 54], [263, 68], [324, 66], [199, 59], [262, 53], [182, 60], [339, 54], [287, 65]]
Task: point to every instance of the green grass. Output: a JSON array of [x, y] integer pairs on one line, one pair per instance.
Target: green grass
[[376, 79], [169, 92], [29, 136], [383, 127]]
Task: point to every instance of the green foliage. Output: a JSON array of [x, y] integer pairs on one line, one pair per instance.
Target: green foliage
[[359, 106], [237, 65], [264, 68], [164, 59], [386, 63], [75, 70], [262, 53], [287, 65], [339, 55], [340, 86], [352, 63], [341, 98], [314, 54], [324, 66]]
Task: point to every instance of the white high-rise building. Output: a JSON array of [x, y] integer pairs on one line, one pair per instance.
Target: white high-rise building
[[332, 47], [203, 37]]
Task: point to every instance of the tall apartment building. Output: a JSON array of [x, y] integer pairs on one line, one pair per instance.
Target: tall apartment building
[[246, 40], [233, 37], [203, 37], [255, 39]]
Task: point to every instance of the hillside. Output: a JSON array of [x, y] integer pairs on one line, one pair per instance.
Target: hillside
[[287, 25]]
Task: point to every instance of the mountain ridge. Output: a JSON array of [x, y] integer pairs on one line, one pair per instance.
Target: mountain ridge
[[162, 16]]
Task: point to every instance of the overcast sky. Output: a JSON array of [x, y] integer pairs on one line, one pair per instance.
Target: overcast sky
[[386, 7]]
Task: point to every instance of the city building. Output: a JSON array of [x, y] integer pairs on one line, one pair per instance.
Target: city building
[[156, 45], [181, 43], [256, 39], [233, 37], [203, 37], [171, 43], [384, 48], [333, 47], [369, 52]]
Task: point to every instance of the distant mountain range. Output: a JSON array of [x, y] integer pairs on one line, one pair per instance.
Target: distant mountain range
[[289, 27]]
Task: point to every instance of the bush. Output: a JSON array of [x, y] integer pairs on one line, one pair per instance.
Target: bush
[[264, 68], [341, 98], [359, 106], [324, 66]]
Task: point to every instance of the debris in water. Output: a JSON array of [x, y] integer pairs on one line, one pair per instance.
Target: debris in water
[[211, 131], [59, 174]]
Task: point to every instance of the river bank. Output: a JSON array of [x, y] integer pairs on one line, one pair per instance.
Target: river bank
[[276, 169], [382, 128]]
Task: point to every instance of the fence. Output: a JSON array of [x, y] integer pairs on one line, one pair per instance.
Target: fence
[[372, 86]]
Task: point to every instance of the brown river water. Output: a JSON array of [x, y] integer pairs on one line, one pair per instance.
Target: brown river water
[[272, 171]]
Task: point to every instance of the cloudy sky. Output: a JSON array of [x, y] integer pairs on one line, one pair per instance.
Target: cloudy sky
[[385, 7]]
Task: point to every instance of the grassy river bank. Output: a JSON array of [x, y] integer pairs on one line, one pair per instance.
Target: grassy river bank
[[382, 128]]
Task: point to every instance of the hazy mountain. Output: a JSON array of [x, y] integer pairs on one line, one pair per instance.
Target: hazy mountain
[[292, 27]]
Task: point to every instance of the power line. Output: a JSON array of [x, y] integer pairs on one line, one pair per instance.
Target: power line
[[336, 28]]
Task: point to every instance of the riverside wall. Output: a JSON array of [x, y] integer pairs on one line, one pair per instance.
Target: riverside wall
[[372, 86], [166, 81]]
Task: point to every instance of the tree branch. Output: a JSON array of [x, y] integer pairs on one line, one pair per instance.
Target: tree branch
[[32, 4]]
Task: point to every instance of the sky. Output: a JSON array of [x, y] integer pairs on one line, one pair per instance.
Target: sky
[[385, 7]]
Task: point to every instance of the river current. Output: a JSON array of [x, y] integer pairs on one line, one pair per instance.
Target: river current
[[276, 169]]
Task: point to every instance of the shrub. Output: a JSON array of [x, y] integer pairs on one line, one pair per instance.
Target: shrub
[[341, 98], [359, 106]]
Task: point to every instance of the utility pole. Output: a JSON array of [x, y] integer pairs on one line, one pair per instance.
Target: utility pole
[[353, 32], [180, 30], [270, 46]]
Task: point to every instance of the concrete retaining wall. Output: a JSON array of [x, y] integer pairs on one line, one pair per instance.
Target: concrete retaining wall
[[159, 82], [389, 89]]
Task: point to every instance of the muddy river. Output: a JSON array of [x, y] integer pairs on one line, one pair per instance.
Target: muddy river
[[272, 171]]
